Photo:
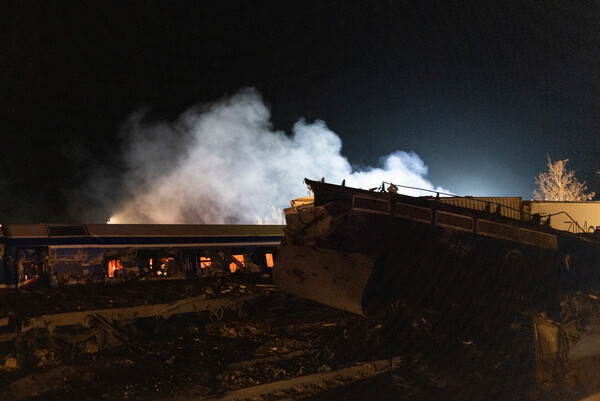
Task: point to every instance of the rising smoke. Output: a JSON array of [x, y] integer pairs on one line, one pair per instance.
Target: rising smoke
[[224, 163]]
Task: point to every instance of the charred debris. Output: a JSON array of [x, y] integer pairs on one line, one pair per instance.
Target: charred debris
[[433, 298]]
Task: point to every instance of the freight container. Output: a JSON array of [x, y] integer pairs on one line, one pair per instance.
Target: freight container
[[575, 217]]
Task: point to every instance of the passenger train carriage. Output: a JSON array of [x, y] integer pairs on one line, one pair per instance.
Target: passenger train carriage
[[71, 254]]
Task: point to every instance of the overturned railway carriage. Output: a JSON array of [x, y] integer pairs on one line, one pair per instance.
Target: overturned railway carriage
[[488, 274], [78, 254], [359, 250], [367, 248]]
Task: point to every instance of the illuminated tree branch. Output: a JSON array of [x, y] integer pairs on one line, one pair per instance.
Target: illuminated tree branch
[[560, 184]]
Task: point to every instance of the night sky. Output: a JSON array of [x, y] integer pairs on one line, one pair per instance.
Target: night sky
[[483, 93]]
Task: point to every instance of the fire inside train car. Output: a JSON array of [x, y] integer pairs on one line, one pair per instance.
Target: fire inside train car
[[58, 254]]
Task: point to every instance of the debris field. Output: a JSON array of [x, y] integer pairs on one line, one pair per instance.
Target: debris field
[[236, 337]]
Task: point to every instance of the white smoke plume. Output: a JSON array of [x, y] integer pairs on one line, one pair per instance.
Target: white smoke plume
[[224, 163]]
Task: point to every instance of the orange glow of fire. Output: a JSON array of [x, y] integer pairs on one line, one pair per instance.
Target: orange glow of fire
[[233, 266], [163, 262], [114, 265], [204, 262], [269, 257]]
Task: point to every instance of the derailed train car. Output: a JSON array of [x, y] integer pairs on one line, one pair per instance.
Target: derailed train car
[[575, 217], [57, 254], [484, 271]]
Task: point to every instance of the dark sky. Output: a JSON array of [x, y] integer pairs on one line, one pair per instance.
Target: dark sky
[[481, 92]]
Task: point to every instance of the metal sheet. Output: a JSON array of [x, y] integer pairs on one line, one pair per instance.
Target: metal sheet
[[411, 212], [330, 277], [509, 206], [497, 230], [453, 220], [371, 204], [567, 355], [537, 238]]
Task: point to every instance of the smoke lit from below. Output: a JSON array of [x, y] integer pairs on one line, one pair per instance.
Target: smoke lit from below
[[223, 163]]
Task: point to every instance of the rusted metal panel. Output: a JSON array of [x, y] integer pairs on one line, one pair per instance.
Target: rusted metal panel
[[546, 337], [509, 206], [537, 238], [331, 277], [496, 230], [452, 220], [304, 224], [411, 212], [368, 204]]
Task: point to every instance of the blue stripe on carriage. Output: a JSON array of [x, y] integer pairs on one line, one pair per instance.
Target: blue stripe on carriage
[[133, 241]]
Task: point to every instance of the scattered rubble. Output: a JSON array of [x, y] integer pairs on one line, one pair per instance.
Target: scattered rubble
[[45, 358], [307, 383], [273, 346], [13, 361]]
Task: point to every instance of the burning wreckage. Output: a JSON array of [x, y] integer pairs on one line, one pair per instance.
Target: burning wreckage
[[71, 291], [61, 254], [493, 267], [485, 271], [108, 259]]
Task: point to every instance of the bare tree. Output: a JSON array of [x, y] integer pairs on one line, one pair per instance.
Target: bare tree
[[560, 184]]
